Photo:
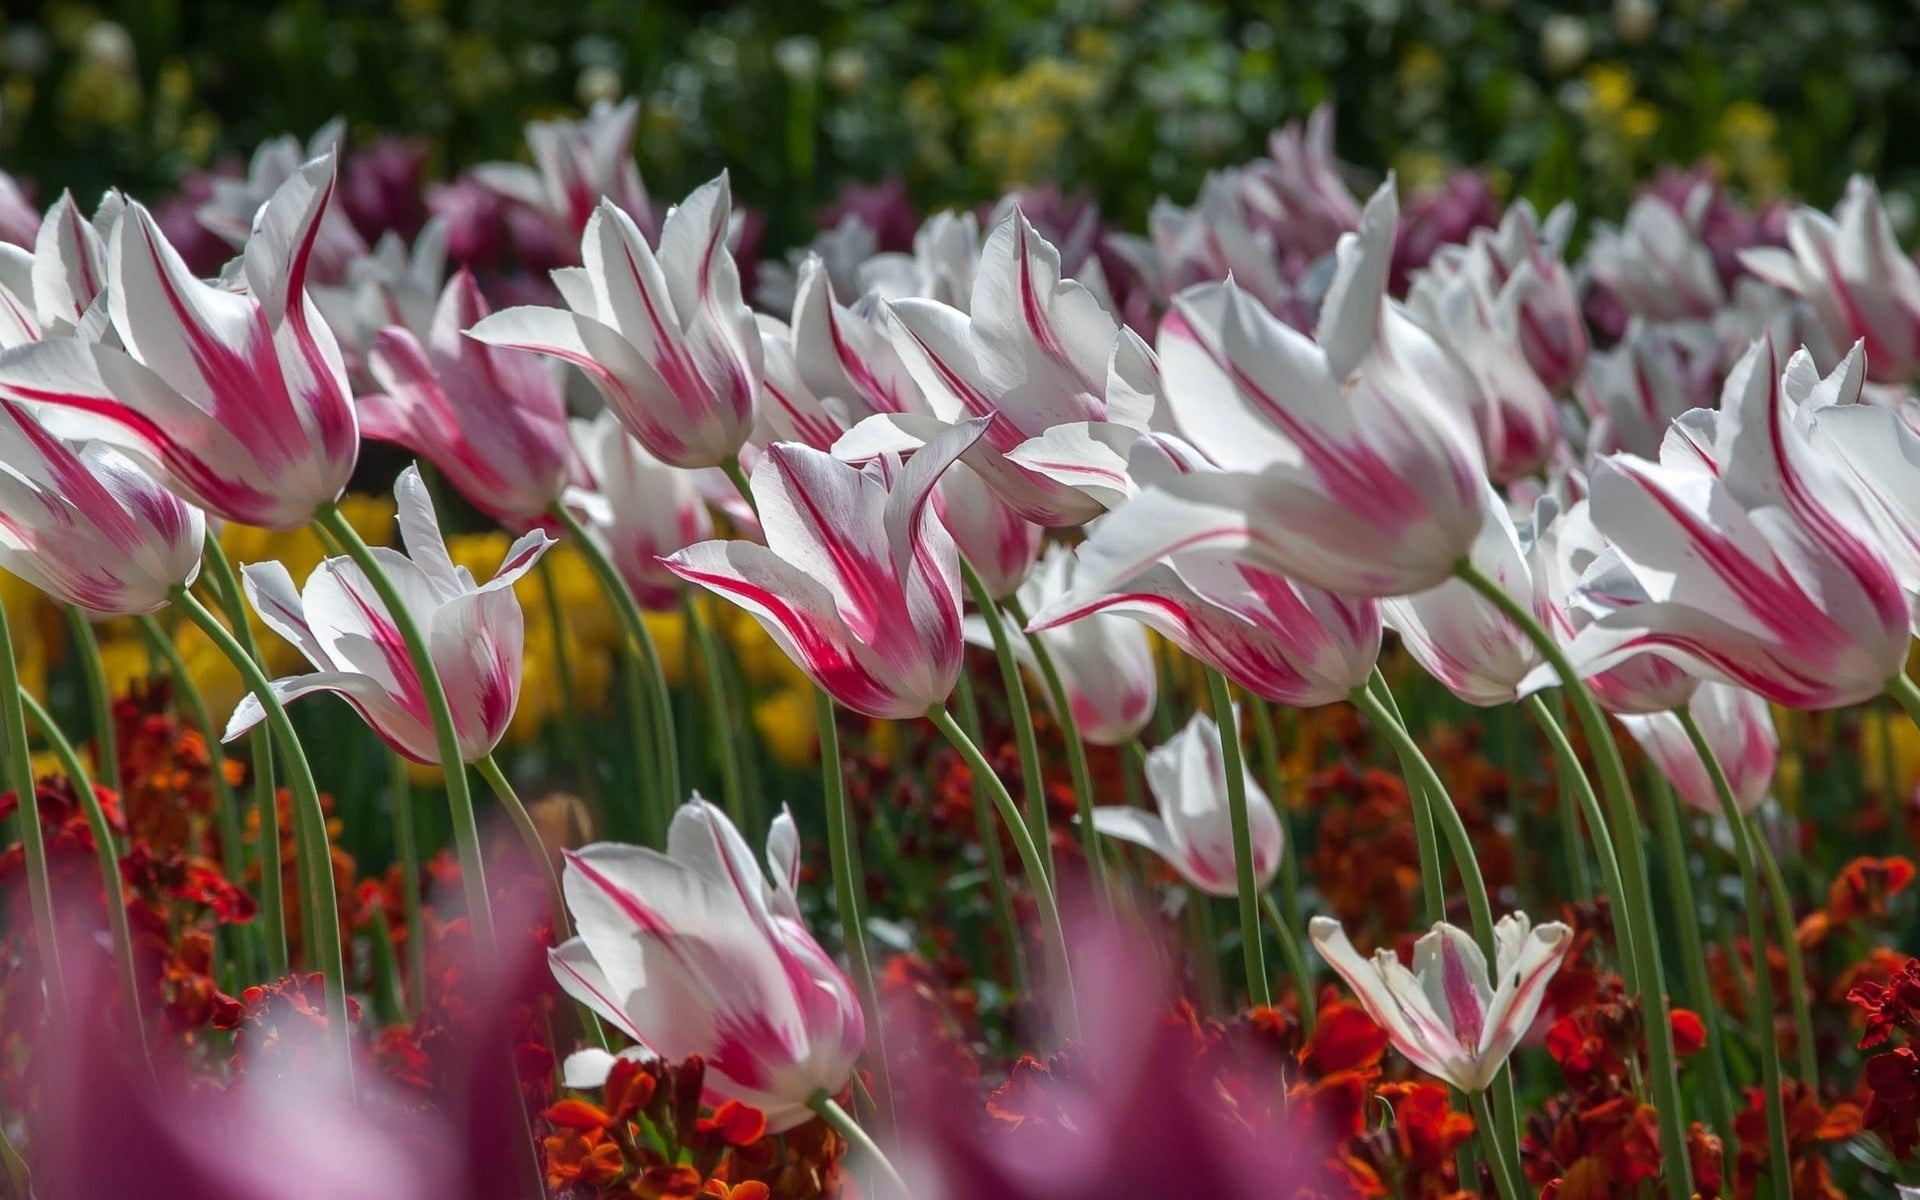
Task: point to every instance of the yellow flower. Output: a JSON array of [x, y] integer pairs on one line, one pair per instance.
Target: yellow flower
[[1609, 89], [1904, 753], [785, 722], [1639, 121], [36, 626]]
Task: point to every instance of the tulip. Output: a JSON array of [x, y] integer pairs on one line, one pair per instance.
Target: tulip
[[1759, 558], [1464, 306], [662, 334], [1576, 578], [1851, 269], [855, 583], [640, 509], [1657, 264], [395, 285], [941, 266], [1440, 215], [1349, 465], [1309, 193], [1879, 450], [1738, 727], [1553, 332], [1458, 635], [47, 293], [1658, 371], [1188, 779], [238, 402], [995, 540], [1291, 644], [1036, 353], [694, 952], [1446, 1015], [1105, 661], [19, 217], [474, 634], [232, 212], [578, 165], [87, 527], [493, 421]]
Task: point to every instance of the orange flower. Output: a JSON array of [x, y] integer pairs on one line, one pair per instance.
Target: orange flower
[[581, 1157]]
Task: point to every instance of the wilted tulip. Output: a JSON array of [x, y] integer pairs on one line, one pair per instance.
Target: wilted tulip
[[640, 509], [1448, 1015], [662, 334], [87, 527], [238, 402], [473, 632], [694, 952], [493, 421], [856, 583], [1193, 831], [1738, 727], [1851, 269]]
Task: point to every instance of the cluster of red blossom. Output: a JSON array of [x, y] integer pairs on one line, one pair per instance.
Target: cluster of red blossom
[[1206, 1100]]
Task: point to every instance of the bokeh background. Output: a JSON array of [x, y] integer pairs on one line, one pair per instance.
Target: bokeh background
[[1124, 100]]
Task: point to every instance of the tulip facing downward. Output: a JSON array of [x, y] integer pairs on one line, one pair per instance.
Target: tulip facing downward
[[693, 952], [1445, 1014], [474, 633]]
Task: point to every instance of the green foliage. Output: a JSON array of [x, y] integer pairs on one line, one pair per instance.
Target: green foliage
[[1129, 99]]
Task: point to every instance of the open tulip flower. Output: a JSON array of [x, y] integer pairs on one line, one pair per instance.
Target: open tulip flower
[[1851, 269], [1349, 464], [1758, 556], [858, 582], [1448, 1015], [1192, 830], [662, 333], [474, 634], [493, 421], [1738, 727], [87, 527], [238, 401], [46, 292], [575, 165], [1065, 388], [694, 952]]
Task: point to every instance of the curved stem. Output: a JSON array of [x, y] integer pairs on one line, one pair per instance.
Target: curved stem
[[105, 749], [1296, 957], [1422, 801], [1907, 693], [655, 737], [843, 1124], [1779, 1170], [19, 777], [1789, 946], [266, 803], [1693, 959], [1582, 789], [1251, 949], [1500, 1149], [1641, 940], [536, 846], [990, 848], [109, 860], [324, 932], [1076, 748], [1052, 934], [1267, 740], [846, 887], [721, 722], [1019, 712]]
